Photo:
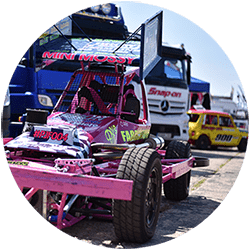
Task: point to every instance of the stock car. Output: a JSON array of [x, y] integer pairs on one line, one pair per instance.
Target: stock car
[[209, 128], [93, 155]]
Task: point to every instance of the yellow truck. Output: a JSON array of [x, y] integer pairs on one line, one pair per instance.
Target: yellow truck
[[209, 128]]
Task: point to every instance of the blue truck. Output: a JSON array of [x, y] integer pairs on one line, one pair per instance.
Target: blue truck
[[38, 85]]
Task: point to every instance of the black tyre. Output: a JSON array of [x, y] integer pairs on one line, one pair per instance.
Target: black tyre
[[202, 142], [200, 162], [178, 150], [136, 220], [178, 189], [242, 147]]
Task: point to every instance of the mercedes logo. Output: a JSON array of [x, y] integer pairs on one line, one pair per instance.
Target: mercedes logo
[[164, 106]]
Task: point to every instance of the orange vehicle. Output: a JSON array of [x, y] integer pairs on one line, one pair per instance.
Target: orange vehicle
[[212, 128]]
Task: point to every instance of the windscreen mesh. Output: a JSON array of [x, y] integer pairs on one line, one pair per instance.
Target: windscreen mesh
[[96, 92]]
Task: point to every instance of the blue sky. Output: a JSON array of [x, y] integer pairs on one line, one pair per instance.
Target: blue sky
[[209, 62]]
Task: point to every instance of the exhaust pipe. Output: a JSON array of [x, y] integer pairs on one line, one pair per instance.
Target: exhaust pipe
[[155, 143]]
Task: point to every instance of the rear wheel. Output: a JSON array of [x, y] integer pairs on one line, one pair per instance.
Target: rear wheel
[[178, 189], [202, 142], [136, 220]]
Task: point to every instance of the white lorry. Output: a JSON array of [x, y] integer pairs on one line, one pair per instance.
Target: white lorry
[[168, 94]]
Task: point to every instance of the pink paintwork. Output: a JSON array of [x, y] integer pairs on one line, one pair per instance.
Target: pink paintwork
[[50, 179], [174, 168], [38, 176]]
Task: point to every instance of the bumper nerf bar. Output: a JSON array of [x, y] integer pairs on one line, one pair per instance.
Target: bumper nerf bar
[[47, 178]]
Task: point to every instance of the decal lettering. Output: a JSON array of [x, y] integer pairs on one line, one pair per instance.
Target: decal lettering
[[130, 60], [57, 55], [224, 138], [133, 135], [67, 56], [100, 58], [155, 91], [78, 119], [121, 60], [86, 58], [49, 134], [42, 133], [89, 58], [112, 59], [210, 128], [22, 163], [47, 55], [110, 134]]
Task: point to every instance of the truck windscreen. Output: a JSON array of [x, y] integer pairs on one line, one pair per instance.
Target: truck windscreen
[[174, 69], [169, 72]]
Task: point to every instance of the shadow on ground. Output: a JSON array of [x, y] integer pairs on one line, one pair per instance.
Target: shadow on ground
[[175, 219]]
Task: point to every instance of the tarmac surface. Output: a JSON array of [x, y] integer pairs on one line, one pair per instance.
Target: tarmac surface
[[208, 188]]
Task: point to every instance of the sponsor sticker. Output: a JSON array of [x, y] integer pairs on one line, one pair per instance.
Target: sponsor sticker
[[59, 136], [52, 135], [22, 163]]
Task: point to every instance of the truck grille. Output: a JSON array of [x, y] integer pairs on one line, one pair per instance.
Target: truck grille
[[174, 130], [166, 107]]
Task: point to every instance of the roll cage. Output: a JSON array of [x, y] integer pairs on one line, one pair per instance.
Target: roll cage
[[104, 90]]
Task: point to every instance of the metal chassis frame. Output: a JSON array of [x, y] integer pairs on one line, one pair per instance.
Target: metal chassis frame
[[42, 177]]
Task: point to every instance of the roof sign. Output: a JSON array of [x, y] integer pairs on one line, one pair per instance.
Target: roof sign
[[98, 51], [145, 53]]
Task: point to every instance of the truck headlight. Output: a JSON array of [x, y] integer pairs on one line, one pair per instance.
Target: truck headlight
[[7, 98], [45, 100], [106, 8], [95, 8]]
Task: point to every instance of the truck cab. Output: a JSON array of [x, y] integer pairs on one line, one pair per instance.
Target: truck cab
[[168, 94]]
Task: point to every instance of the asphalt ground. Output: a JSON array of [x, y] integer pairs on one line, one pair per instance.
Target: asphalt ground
[[208, 188]]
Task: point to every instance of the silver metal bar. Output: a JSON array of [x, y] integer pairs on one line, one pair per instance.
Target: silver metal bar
[[70, 203], [44, 205]]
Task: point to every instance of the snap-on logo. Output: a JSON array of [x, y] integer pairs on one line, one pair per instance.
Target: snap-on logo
[[154, 91]]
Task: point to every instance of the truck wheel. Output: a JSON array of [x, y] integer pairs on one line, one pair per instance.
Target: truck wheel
[[242, 147], [178, 189], [202, 142], [136, 220]]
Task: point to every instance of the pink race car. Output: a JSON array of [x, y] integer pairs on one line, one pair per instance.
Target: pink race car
[[93, 155]]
